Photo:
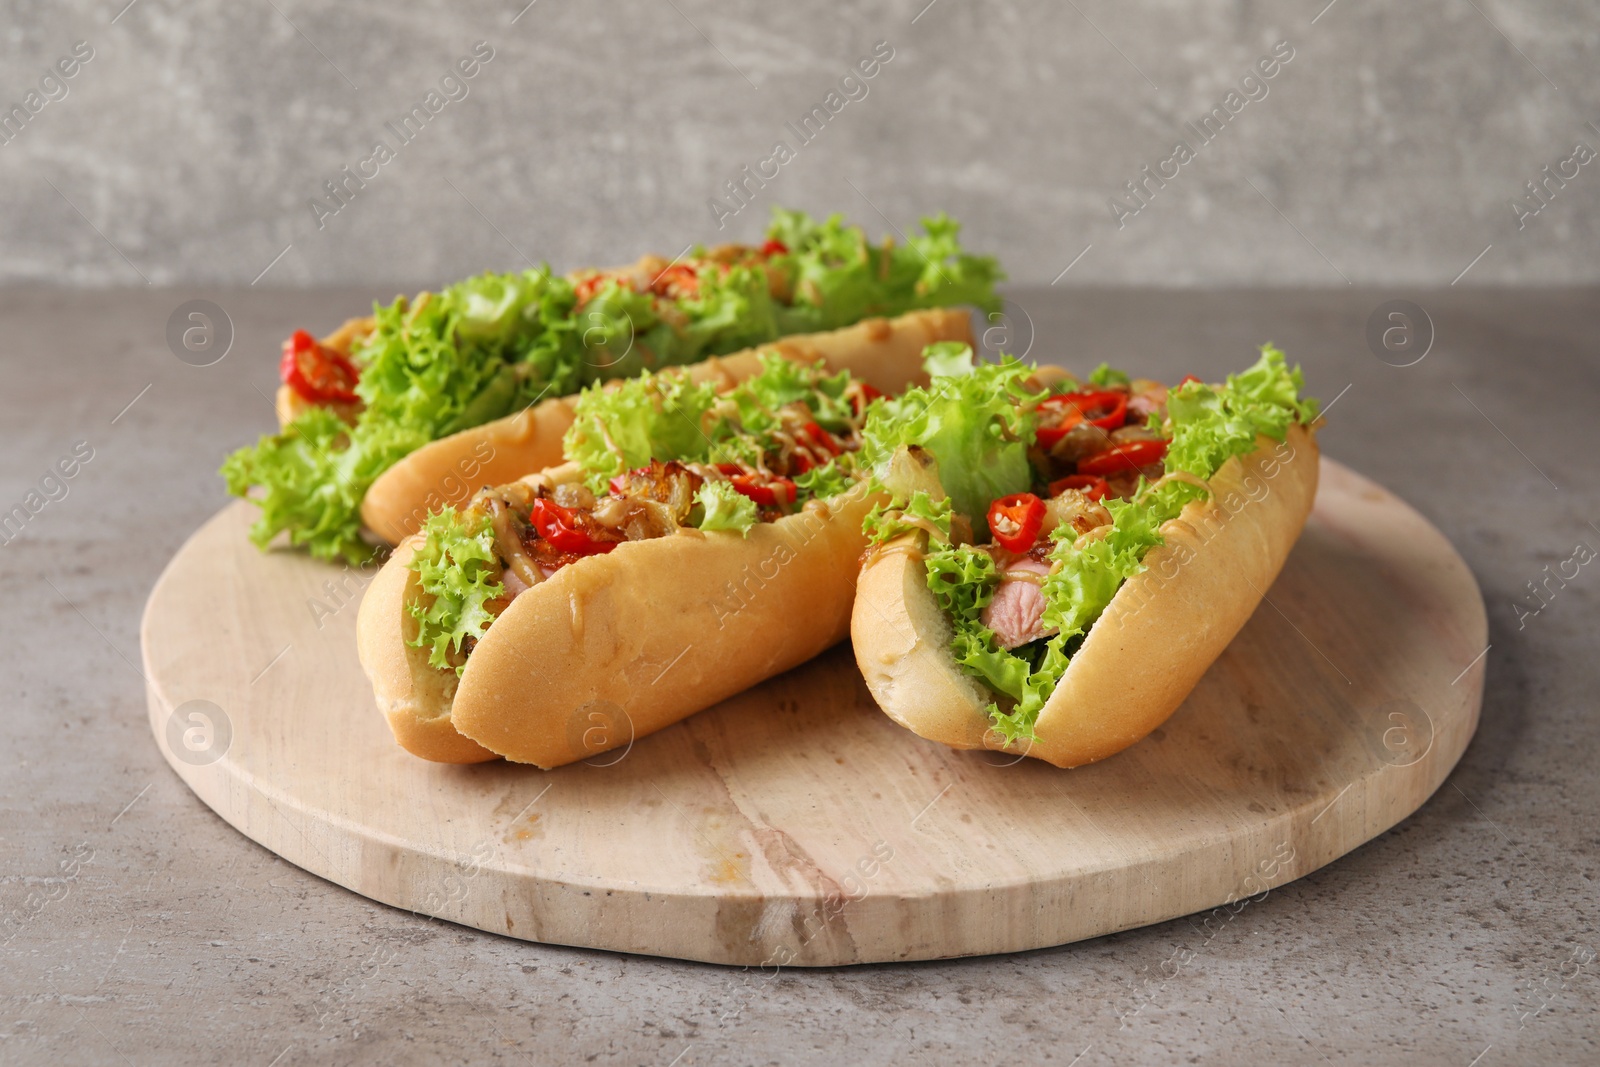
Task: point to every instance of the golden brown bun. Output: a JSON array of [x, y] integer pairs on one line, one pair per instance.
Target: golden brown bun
[[615, 647], [1159, 635], [413, 696], [885, 353]]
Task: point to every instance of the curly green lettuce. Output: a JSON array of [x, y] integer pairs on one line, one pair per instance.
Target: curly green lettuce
[[888, 521], [725, 508], [486, 346], [1212, 424], [668, 417], [830, 479], [971, 417], [841, 277], [310, 480], [657, 416], [459, 574], [1105, 374]]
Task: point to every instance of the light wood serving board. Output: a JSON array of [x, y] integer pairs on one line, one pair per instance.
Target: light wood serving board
[[796, 824]]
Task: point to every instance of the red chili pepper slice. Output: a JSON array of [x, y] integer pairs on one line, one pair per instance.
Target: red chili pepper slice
[[316, 372], [770, 490], [1091, 485], [1015, 521], [560, 527], [859, 401], [764, 489], [774, 248], [678, 280], [1128, 456], [818, 438], [1187, 378], [819, 441], [1106, 409]]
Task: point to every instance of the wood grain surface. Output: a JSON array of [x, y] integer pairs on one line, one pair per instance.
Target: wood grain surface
[[795, 824]]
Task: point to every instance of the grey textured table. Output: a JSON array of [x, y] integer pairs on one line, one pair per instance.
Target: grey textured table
[[139, 928]]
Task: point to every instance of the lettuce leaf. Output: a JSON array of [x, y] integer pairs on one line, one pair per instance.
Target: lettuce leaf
[[310, 479], [726, 508], [947, 359], [830, 479], [841, 278], [457, 568], [1105, 374], [657, 416], [1211, 424], [665, 416], [885, 523], [962, 579], [782, 382], [1079, 589], [969, 419]]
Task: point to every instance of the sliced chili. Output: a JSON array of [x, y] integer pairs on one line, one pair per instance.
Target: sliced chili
[[560, 527], [1128, 456], [764, 489], [1090, 485], [1107, 409], [1015, 521], [774, 248], [768, 490], [820, 439], [316, 372]]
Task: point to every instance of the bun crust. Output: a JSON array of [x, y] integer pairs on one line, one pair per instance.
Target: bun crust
[[1142, 657], [885, 353]]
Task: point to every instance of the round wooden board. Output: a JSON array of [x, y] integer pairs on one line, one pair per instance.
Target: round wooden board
[[796, 824]]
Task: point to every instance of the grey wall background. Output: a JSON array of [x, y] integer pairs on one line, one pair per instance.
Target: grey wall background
[[1387, 151]]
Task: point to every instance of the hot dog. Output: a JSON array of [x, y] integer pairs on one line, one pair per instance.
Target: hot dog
[[358, 402], [702, 537], [1059, 564]]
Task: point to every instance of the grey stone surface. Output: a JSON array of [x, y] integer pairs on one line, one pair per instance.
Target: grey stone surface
[[137, 927], [1386, 152]]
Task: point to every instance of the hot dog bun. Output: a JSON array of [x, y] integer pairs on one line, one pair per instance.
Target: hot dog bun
[[617, 646], [885, 353], [1141, 658]]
